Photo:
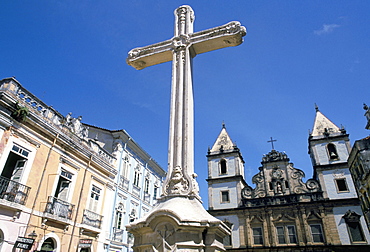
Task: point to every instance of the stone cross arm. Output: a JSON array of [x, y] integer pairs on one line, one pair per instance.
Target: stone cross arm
[[230, 34]]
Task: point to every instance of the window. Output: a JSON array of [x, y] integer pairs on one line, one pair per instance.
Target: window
[[94, 198], [225, 197], [136, 178], [118, 218], [125, 168], [146, 186], [316, 232], [63, 186], [223, 168], [286, 234], [257, 236], [352, 220], [332, 150], [155, 192], [341, 185], [15, 163]]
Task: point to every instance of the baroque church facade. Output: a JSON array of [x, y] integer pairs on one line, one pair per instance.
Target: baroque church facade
[[66, 185], [282, 212]]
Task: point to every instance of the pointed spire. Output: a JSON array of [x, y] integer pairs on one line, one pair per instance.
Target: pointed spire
[[322, 125], [223, 141]]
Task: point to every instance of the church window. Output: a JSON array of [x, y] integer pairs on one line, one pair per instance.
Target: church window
[[286, 234], [332, 150], [316, 232], [223, 167], [352, 220], [257, 236], [341, 185], [286, 184], [225, 197], [270, 186]]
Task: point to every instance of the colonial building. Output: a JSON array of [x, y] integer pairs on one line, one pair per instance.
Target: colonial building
[[282, 211], [359, 165], [61, 187], [137, 184]]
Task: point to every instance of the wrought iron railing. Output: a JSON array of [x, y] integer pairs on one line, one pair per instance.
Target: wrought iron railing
[[13, 191], [118, 234], [92, 219], [59, 208]]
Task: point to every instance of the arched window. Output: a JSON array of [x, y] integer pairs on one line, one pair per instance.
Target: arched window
[[223, 168], [332, 150], [48, 245]]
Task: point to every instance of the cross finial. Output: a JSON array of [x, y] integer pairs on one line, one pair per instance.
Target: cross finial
[[272, 142]]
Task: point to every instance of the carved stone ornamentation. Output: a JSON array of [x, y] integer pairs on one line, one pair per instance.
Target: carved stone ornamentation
[[177, 183]]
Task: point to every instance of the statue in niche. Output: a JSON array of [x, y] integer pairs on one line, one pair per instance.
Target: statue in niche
[[278, 188]]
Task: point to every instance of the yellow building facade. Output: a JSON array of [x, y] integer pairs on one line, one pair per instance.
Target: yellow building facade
[[54, 179]]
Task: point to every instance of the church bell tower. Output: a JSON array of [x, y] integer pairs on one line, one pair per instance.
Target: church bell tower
[[225, 173], [329, 147]]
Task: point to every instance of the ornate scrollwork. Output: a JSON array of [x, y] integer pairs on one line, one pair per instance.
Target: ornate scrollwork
[[247, 192], [313, 185]]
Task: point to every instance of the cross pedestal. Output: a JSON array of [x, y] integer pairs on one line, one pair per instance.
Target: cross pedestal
[[179, 207]]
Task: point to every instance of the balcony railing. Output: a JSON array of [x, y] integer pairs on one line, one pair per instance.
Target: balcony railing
[[92, 219], [13, 191], [59, 208], [136, 190], [124, 183], [118, 234], [147, 197]]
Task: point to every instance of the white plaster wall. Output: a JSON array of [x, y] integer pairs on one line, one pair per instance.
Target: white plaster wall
[[216, 195], [342, 227], [12, 228], [329, 180], [235, 238]]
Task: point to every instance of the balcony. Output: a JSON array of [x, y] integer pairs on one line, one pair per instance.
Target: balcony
[[59, 208], [124, 183], [92, 219], [147, 197], [13, 191], [118, 234], [136, 190]]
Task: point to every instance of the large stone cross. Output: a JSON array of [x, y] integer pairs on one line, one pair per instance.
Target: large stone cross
[[184, 46]]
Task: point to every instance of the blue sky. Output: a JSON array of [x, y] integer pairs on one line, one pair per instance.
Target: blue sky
[[71, 54]]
